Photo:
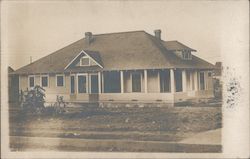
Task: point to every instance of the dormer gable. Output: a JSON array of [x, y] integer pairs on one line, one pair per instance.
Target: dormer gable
[[184, 54], [86, 59]]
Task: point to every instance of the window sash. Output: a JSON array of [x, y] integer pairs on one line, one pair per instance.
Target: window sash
[[87, 61], [59, 83], [44, 81], [32, 81]]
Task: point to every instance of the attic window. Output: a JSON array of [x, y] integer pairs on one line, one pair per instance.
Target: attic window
[[84, 61], [186, 55]]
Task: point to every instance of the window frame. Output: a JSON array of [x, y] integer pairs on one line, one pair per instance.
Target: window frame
[[87, 83], [47, 81], [29, 81], [63, 80], [84, 57], [186, 55]]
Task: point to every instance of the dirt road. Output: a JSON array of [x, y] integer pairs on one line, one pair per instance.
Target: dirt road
[[68, 144]]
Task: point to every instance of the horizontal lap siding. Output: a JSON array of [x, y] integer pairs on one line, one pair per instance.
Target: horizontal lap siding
[[52, 90], [23, 82]]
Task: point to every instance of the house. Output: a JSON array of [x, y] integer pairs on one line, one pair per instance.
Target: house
[[217, 81], [218, 70], [12, 86], [121, 67]]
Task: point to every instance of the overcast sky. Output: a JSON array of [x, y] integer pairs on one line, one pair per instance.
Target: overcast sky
[[37, 29]]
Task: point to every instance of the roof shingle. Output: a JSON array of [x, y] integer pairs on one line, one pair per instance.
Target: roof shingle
[[118, 51]]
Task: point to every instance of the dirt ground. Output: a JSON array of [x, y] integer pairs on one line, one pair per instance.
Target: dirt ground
[[135, 124]]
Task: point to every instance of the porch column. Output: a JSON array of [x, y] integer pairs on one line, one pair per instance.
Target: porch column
[[99, 83], [195, 80], [146, 81], [172, 81], [159, 83], [122, 83], [102, 82], [184, 81]]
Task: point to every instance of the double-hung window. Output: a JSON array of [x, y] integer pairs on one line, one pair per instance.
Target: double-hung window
[[59, 80], [31, 81], [45, 81]]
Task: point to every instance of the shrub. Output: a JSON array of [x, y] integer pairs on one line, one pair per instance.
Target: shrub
[[32, 100]]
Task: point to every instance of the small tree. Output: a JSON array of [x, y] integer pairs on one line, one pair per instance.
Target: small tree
[[33, 99]]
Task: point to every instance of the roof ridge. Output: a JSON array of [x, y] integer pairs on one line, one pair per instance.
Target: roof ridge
[[158, 43], [120, 32]]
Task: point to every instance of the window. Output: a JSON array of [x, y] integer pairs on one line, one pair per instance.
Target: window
[[31, 81], [186, 55], [136, 82], [202, 81], [44, 81], [84, 61], [60, 80], [82, 84], [165, 81]]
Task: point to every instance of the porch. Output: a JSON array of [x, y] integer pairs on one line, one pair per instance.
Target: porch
[[159, 85]]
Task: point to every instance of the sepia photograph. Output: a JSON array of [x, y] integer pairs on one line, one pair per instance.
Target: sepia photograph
[[124, 77]]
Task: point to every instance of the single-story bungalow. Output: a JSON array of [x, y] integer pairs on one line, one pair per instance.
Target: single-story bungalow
[[121, 67]]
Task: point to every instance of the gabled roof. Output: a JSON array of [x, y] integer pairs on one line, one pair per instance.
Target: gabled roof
[[93, 55], [118, 51]]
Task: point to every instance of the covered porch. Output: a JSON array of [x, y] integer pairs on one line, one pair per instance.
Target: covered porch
[[154, 85]]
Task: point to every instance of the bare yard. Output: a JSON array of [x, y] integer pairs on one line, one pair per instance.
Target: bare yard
[[130, 124]]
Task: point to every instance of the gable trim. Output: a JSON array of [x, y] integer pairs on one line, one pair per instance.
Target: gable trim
[[92, 58], [79, 55]]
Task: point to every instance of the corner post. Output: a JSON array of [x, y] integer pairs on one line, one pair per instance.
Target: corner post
[[184, 81], [172, 81], [102, 82], [195, 80], [145, 81], [122, 83]]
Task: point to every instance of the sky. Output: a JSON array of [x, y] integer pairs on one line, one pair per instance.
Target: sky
[[36, 28]]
